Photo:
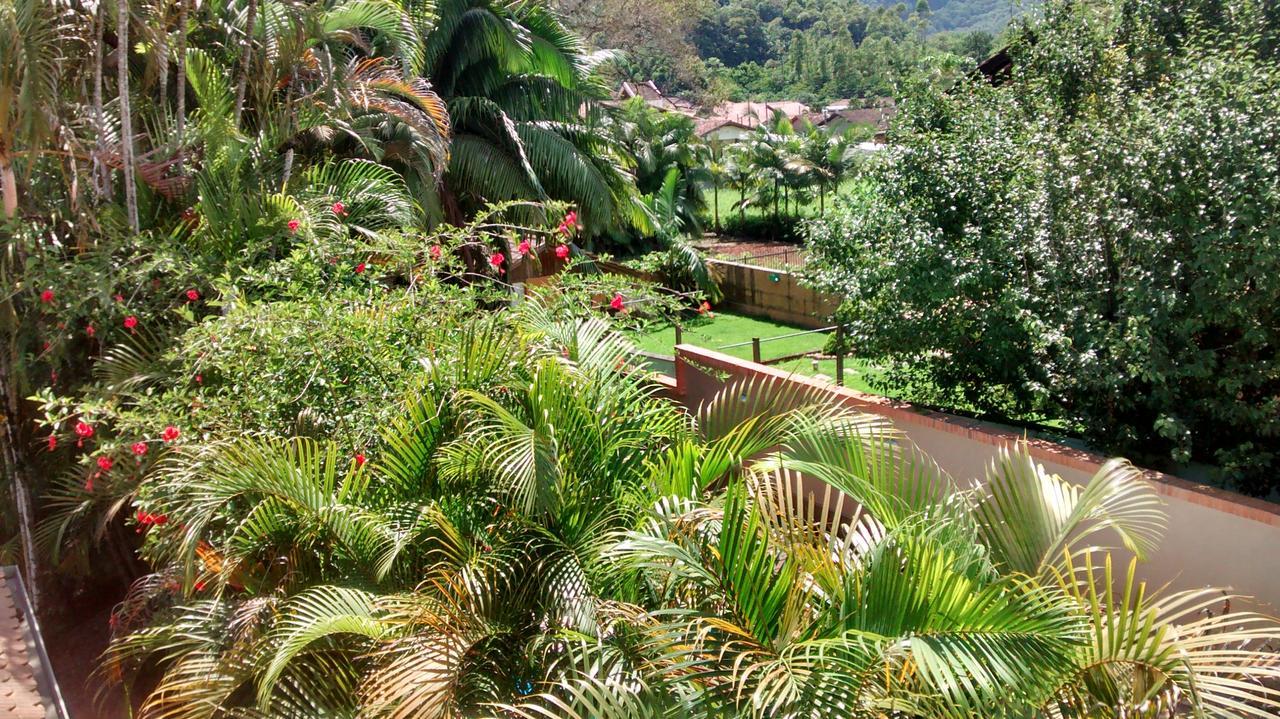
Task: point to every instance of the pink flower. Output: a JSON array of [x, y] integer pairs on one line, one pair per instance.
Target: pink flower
[[360, 269], [339, 208], [170, 433], [88, 484], [359, 459], [294, 225], [435, 252], [53, 442], [130, 322], [496, 259], [46, 297], [106, 463], [571, 219], [193, 295], [199, 379], [139, 448], [616, 304], [562, 251], [523, 249], [84, 430], [90, 330], [118, 298]]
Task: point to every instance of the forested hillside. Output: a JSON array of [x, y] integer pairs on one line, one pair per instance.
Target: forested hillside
[[811, 50]]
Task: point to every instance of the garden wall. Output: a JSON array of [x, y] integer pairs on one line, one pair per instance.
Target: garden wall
[[1214, 537], [774, 294]]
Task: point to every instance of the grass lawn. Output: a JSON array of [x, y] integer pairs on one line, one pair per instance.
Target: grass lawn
[[724, 330]]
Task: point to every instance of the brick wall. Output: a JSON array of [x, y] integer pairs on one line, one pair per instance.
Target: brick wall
[[1214, 537]]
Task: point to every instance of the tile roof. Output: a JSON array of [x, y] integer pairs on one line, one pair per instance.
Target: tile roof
[[28, 689]]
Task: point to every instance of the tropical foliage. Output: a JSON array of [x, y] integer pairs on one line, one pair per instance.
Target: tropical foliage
[[1093, 240], [498, 550]]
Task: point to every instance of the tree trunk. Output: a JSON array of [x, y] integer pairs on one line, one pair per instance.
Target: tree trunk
[[181, 60], [288, 169], [243, 81], [101, 173], [10, 182], [716, 189], [126, 113], [162, 47]]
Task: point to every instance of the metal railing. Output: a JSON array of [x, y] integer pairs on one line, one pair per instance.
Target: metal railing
[[788, 259], [757, 351]]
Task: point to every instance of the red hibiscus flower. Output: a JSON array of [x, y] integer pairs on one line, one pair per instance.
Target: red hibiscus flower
[[496, 259], [130, 322], [193, 295], [705, 309], [46, 297], [90, 330], [616, 304], [294, 225], [435, 252], [360, 269], [360, 460], [53, 442], [83, 431], [106, 463], [562, 251], [170, 433], [523, 248], [339, 209], [139, 448], [200, 586]]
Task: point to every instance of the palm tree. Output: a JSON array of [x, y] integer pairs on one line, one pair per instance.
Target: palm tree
[[516, 83], [741, 176], [244, 68], [828, 159], [29, 36], [508, 552], [714, 160]]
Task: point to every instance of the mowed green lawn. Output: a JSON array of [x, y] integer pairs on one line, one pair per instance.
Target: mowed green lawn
[[731, 334]]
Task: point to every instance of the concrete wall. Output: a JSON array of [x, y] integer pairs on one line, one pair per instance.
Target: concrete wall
[[774, 294], [1214, 537]]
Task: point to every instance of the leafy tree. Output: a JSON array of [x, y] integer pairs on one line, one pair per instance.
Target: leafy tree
[[1088, 241]]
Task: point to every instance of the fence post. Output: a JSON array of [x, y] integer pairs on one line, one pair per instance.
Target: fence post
[[679, 334], [839, 355], [755, 350]]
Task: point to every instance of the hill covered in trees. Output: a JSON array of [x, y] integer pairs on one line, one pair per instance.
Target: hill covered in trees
[[812, 50]]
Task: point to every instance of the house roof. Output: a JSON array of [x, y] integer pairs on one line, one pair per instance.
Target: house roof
[[708, 125], [750, 114], [28, 689], [650, 93], [877, 115]]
